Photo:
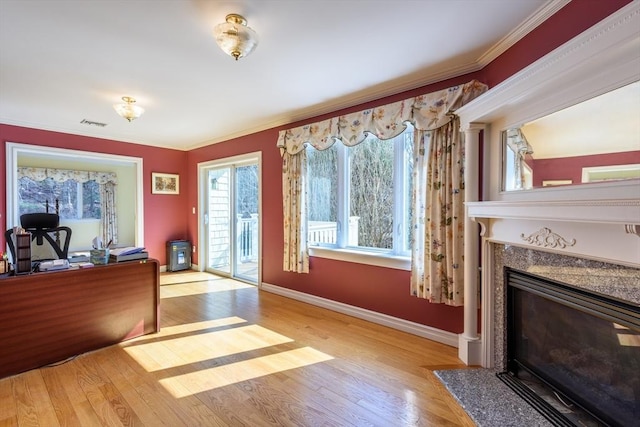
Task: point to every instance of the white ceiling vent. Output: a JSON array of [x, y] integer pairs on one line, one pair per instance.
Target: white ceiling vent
[[91, 123]]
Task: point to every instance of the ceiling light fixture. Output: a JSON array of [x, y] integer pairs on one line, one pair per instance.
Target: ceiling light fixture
[[128, 110], [234, 37]]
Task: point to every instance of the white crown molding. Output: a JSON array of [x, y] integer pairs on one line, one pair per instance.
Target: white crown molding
[[602, 58], [370, 95], [404, 84], [542, 14], [424, 331]]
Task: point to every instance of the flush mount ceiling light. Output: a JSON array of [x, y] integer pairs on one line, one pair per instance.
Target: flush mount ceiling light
[[234, 37], [128, 110]]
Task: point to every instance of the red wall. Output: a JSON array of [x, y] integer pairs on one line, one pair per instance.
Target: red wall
[[571, 167], [164, 215], [568, 22], [374, 288]]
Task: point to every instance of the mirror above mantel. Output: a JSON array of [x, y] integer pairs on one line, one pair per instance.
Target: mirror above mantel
[[586, 78], [593, 141]]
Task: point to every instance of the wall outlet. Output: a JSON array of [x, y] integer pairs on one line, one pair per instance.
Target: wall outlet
[[193, 249], [193, 210]]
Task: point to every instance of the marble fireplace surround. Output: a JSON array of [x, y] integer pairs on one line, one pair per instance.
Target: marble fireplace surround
[[585, 235], [589, 244], [592, 245]]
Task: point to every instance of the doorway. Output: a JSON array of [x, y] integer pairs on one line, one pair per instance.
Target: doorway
[[230, 217]]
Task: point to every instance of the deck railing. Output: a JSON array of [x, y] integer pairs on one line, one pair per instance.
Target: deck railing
[[319, 232]]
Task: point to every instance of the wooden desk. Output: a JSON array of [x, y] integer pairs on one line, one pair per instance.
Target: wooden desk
[[48, 317]]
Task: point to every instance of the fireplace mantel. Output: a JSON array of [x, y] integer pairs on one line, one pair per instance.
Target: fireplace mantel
[[603, 230], [618, 211], [594, 221]]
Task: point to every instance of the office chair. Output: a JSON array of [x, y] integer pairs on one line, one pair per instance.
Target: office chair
[[43, 226]]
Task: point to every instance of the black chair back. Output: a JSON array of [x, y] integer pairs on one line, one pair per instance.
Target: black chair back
[[43, 226]]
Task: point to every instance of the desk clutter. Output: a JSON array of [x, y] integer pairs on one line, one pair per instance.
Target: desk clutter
[[128, 254], [41, 244], [106, 256], [75, 260]]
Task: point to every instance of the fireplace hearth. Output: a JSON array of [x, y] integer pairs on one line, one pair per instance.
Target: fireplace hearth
[[480, 392], [572, 354]]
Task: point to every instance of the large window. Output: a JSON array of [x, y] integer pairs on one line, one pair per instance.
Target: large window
[[360, 197], [76, 200]]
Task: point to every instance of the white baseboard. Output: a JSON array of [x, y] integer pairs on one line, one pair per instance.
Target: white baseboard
[[438, 335]]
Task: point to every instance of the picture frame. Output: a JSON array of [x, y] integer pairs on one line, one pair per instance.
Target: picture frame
[[165, 183]]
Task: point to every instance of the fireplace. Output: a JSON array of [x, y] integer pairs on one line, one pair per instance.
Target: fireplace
[[583, 236], [572, 354]]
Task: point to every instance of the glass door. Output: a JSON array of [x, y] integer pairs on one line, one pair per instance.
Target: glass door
[[218, 221], [231, 219], [246, 223]]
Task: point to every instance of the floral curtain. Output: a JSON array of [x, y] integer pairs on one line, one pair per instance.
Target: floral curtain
[[437, 272], [426, 112], [107, 182], [296, 255], [521, 148]]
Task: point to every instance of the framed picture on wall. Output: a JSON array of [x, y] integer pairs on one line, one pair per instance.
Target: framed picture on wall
[[165, 183]]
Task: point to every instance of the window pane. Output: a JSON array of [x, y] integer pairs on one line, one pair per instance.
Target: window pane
[[91, 200], [371, 193], [33, 196], [247, 190], [322, 191]]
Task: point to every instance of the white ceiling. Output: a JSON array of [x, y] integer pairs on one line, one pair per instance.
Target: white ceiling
[[62, 61]]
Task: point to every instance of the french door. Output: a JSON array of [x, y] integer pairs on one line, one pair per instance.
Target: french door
[[230, 195]]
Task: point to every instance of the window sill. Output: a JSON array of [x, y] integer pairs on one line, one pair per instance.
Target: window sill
[[397, 262]]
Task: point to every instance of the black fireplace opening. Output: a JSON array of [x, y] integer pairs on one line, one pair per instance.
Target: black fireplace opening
[[571, 353]]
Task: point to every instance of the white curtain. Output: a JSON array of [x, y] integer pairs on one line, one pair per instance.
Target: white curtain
[[107, 182], [426, 112]]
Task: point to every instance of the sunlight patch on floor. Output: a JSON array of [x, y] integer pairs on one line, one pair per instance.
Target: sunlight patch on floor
[[171, 278], [198, 288], [626, 336], [208, 379], [165, 354], [186, 328]]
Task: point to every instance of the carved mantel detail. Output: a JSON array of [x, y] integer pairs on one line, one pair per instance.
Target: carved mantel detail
[[632, 229], [547, 239]]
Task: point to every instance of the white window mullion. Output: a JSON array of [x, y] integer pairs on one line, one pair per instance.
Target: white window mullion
[[79, 200], [399, 197], [343, 196]]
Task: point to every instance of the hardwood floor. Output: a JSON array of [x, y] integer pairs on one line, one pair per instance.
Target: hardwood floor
[[230, 355]]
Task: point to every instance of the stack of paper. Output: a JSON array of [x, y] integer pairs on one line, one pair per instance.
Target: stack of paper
[[128, 254]]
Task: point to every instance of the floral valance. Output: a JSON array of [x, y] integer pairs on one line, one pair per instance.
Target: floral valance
[[61, 175], [426, 112]]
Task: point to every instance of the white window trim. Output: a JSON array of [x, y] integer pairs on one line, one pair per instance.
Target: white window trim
[[391, 258], [13, 150], [361, 257]]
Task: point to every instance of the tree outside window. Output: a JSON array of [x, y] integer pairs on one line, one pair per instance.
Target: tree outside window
[[367, 187], [76, 200]]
